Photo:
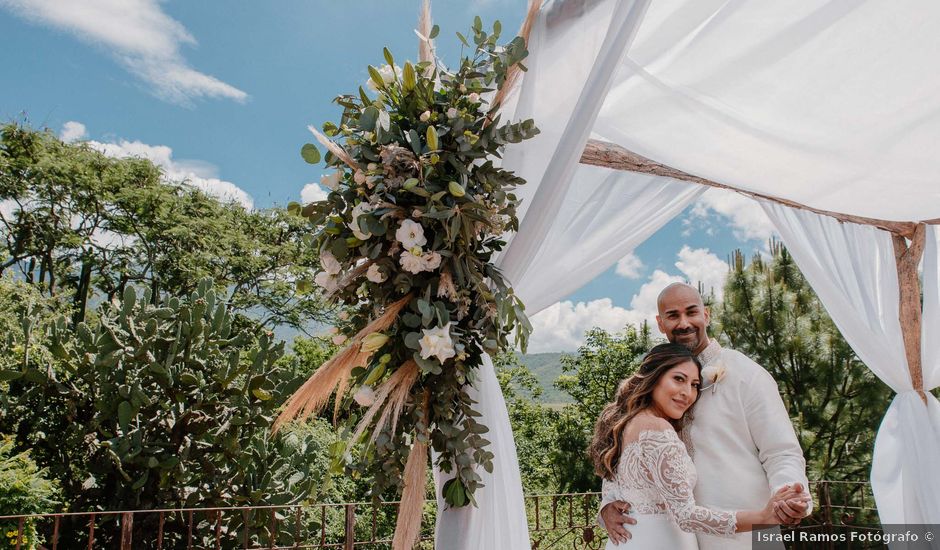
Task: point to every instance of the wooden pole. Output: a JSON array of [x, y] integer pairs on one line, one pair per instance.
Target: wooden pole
[[610, 155], [910, 311]]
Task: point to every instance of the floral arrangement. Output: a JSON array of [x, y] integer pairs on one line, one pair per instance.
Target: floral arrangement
[[417, 208]]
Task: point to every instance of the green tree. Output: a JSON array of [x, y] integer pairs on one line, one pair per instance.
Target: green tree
[[591, 377], [166, 405], [532, 423], [770, 313], [84, 226], [552, 442]]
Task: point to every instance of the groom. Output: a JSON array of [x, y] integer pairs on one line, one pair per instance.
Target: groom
[[744, 447]]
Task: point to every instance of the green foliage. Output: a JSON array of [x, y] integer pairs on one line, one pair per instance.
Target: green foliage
[[24, 489], [533, 424], [591, 378], [552, 442], [158, 405], [770, 313], [84, 226], [418, 207]]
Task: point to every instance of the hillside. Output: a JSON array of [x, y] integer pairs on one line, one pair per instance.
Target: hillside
[[546, 367]]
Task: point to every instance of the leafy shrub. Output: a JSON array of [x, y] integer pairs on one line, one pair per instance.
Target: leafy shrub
[[24, 489]]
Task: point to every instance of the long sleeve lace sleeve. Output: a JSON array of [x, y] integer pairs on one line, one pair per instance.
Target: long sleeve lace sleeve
[[667, 462]]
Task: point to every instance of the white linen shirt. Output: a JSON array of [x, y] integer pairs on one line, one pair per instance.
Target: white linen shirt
[[744, 446]]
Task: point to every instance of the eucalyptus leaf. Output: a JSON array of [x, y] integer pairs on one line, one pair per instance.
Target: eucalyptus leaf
[[310, 153]]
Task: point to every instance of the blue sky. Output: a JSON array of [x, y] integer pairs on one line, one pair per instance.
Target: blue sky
[[221, 92]]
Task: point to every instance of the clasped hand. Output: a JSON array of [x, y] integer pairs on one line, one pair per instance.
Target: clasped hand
[[788, 505]]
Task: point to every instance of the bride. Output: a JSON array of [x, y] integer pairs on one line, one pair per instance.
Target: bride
[[640, 449]]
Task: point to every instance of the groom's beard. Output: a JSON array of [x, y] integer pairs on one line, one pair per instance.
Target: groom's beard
[[692, 344]]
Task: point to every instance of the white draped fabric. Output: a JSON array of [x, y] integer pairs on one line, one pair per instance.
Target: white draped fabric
[[819, 102], [852, 269], [576, 222], [825, 103]]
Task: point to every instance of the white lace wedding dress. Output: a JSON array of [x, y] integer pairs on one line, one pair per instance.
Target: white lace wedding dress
[[656, 476]]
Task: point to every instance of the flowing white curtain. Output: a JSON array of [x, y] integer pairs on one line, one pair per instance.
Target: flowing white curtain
[[821, 102], [605, 215], [853, 271], [576, 221]]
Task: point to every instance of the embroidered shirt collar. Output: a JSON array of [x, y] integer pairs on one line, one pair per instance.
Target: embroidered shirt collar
[[710, 354]]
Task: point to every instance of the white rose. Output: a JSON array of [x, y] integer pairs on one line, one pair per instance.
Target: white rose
[[365, 396], [372, 167], [432, 261], [375, 274], [411, 262], [331, 181], [410, 234], [437, 343], [359, 177], [358, 210], [474, 97], [425, 116], [330, 263], [388, 74], [452, 112]]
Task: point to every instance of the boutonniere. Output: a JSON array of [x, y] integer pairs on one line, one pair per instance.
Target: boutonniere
[[712, 375]]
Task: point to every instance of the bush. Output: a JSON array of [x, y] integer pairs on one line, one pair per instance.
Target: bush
[[158, 405], [24, 489]]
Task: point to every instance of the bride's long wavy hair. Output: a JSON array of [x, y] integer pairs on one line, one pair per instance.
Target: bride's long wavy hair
[[634, 395]]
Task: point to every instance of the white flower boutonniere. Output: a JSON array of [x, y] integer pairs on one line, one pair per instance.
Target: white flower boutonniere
[[712, 375]]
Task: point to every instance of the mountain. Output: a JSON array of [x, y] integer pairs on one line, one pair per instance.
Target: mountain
[[546, 367]]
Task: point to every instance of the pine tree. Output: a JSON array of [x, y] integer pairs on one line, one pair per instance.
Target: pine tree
[[770, 313]]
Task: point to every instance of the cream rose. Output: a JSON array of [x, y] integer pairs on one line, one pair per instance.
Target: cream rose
[[331, 181], [410, 234], [358, 210], [437, 342], [411, 262], [375, 274], [364, 396]]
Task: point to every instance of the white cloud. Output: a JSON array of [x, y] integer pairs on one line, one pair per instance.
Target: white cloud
[[700, 265], [141, 37], [199, 174], [561, 327], [72, 131], [747, 218], [630, 266], [312, 192]]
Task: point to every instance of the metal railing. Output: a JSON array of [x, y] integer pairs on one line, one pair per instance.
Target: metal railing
[[555, 521]]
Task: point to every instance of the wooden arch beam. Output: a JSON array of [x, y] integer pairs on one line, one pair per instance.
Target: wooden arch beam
[[610, 155]]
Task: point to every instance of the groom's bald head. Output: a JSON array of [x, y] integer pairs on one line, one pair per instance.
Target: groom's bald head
[[683, 291], [683, 316]]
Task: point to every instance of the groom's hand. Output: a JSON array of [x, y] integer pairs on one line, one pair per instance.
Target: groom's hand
[[791, 510], [615, 515]]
